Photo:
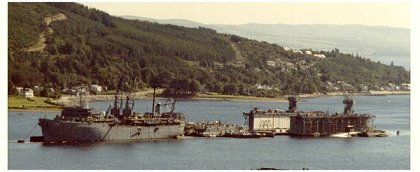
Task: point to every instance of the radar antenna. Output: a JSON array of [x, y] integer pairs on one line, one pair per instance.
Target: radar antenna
[[78, 100], [171, 102]]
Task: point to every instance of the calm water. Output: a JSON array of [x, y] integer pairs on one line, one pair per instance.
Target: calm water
[[392, 114]]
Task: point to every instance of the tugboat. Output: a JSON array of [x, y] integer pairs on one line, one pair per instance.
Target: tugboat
[[118, 123]]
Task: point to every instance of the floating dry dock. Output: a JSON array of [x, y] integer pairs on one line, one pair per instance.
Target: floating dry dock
[[311, 123], [323, 124]]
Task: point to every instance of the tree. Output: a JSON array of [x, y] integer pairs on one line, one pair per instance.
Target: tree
[[44, 93], [67, 48], [11, 90], [235, 38], [243, 90], [218, 87], [157, 81], [231, 89], [194, 87]]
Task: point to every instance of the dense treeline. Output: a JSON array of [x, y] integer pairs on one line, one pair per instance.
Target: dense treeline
[[92, 47]]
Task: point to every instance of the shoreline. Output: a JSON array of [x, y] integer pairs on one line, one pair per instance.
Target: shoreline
[[140, 96], [32, 110], [65, 100], [370, 93]]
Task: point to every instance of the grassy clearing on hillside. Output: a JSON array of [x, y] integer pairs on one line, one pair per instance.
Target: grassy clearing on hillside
[[18, 102]]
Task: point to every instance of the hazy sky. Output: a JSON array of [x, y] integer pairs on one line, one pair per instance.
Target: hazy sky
[[372, 14]]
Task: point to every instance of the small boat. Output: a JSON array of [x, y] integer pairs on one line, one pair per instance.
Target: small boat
[[268, 168], [344, 135], [266, 134], [209, 134], [36, 139], [373, 133]]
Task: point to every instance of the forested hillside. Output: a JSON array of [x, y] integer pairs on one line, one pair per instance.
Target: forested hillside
[[92, 47], [379, 43]]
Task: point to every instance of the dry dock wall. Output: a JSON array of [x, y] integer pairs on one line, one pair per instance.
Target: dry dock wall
[[276, 121]]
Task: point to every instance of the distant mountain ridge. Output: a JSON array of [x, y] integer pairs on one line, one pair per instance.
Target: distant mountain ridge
[[178, 22], [385, 44]]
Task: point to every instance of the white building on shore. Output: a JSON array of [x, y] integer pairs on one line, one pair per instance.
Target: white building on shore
[[27, 93]]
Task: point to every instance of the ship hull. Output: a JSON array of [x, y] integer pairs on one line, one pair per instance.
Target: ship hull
[[60, 131]]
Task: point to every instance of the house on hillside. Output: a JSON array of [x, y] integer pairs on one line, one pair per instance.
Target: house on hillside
[[271, 63], [392, 86], [298, 51], [290, 64], [255, 69], [405, 86], [238, 64], [75, 91], [19, 90], [287, 48], [27, 93], [218, 65], [321, 56], [96, 88], [345, 86], [302, 62], [263, 87]]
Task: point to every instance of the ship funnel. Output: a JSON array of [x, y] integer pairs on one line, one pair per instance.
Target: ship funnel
[[127, 111], [158, 108], [292, 104], [116, 109]]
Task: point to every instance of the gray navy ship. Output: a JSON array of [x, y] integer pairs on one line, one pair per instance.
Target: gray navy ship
[[118, 123]]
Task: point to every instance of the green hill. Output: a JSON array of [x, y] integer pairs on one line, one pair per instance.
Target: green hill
[[91, 47]]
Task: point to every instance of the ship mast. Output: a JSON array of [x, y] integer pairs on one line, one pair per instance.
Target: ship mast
[[81, 98], [156, 82], [153, 105], [80, 95]]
